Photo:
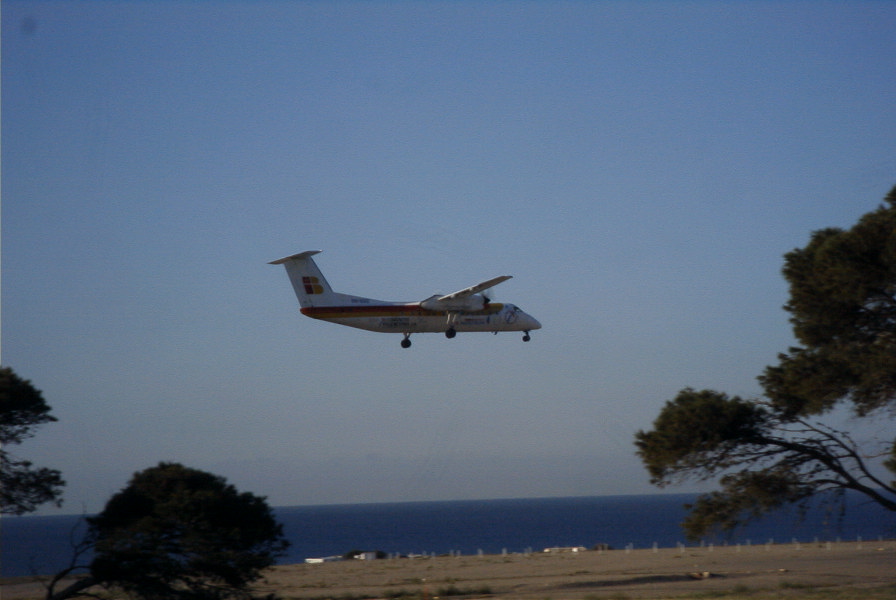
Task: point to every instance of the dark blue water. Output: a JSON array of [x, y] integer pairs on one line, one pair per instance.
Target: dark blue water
[[43, 544]]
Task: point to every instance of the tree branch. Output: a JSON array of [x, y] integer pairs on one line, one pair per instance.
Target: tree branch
[[72, 591], [807, 450]]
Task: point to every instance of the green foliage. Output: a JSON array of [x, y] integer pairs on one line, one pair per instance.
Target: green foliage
[[744, 495], [176, 533], [695, 434], [843, 311], [22, 409]]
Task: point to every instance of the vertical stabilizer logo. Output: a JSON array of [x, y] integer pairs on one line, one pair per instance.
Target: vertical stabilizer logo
[[312, 286]]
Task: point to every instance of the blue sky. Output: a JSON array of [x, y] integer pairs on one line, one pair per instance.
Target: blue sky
[[639, 167]]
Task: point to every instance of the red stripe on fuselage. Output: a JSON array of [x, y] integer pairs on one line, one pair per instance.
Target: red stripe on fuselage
[[385, 310]]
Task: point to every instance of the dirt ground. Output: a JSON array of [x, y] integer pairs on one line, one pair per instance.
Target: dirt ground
[[609, 574], [840, 571]]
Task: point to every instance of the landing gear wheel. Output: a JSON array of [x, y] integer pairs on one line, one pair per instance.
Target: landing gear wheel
[[406, 342], [526, 337], [450, 333]]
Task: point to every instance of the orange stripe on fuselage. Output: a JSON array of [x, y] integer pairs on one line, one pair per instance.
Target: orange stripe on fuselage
[[386, 310]]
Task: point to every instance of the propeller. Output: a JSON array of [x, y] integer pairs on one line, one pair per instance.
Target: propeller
[[489, 295]]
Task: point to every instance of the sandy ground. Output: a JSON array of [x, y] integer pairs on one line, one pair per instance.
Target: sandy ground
[[841, 570], [609, 574]]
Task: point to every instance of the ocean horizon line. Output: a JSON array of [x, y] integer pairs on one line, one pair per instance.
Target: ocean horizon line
[[495, 499], [394, 502]]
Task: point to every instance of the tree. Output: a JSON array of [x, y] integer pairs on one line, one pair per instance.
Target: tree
[[23, 487], [176, 533], [773, 451]]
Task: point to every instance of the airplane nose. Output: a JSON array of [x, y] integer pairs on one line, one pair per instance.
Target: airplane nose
[[532, 322]]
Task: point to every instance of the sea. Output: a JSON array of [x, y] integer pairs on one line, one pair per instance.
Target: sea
[[31, 545]]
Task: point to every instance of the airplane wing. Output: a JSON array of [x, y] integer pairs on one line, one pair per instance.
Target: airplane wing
[[475, 289]]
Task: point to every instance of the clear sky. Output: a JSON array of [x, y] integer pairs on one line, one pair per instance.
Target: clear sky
[[640, 168]]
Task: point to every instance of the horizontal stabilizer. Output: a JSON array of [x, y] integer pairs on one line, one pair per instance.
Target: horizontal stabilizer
[[299, 256]]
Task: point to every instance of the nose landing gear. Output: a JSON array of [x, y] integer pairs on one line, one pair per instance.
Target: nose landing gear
[[406, 342], [526, 336]]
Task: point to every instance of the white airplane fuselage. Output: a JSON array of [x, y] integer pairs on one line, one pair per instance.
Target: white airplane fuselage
[[461, 311], [411, 317]]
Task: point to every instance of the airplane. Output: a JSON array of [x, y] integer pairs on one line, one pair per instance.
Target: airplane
[[465, 310]]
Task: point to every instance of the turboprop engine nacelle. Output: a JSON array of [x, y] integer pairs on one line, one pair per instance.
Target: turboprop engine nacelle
[[467, 304]]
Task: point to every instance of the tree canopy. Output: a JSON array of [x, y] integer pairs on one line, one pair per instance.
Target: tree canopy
[[772, 451], [176, 533], [23, 487], [843, 311]]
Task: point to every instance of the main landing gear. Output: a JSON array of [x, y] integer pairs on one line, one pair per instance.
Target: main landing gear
[[450, 333]]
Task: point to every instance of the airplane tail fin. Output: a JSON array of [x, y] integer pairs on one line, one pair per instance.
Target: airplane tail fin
[[308, 282]]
